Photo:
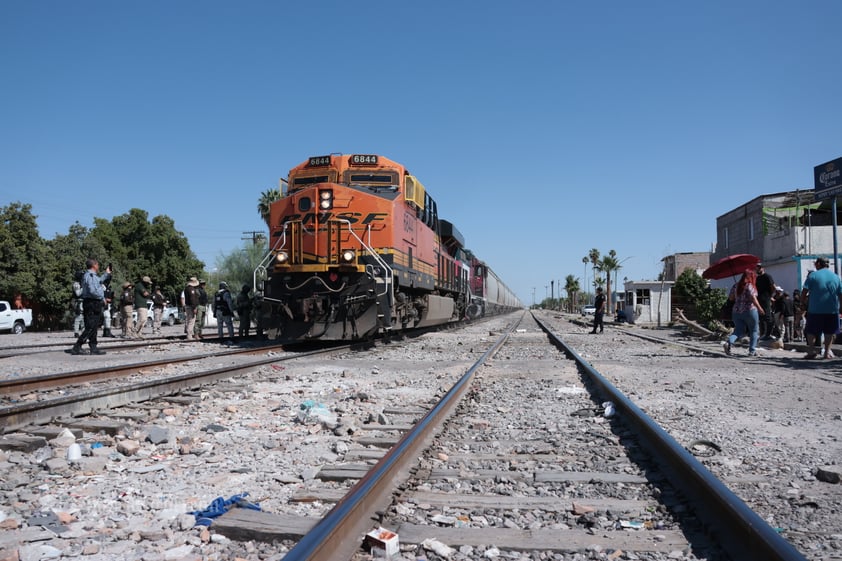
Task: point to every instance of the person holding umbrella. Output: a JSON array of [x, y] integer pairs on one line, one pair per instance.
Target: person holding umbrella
[[746, 313]]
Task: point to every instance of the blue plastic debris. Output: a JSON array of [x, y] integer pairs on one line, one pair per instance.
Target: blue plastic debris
[[220, 506]]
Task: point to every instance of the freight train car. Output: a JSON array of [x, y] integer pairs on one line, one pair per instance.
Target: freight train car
[[357, 247], [489, 294]]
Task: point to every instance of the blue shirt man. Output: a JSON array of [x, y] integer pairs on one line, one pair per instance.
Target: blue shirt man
[[823, 291], [93, 298]]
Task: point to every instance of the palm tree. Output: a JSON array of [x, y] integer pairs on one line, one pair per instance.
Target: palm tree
[[265, 203], [571, 285], [609, 264]]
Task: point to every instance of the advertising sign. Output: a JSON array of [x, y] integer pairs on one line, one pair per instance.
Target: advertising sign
[[828, 179]]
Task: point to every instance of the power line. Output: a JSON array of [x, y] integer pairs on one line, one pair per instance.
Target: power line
[[256, 236]]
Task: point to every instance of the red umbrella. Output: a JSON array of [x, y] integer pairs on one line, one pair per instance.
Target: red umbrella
[[731, 266]]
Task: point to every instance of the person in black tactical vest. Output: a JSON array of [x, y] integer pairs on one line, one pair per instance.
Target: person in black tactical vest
[[191, 302], [223, 310], [599, 313], [201, 309], [127, 309], [244, 310]]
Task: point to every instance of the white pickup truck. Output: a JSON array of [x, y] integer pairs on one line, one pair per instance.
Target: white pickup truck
[[12, 320]]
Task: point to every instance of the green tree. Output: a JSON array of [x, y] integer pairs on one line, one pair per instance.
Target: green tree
[[23, 256], [238, 267], [691, 287], [264, 204], [609, 264], [571, 285], [68, 254], [593, 258], [138, 247]]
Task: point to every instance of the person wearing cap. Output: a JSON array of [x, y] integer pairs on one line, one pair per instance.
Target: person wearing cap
[[223, 310], [201, 309], [127, 308], [142, 292], [191, 302], [823, 294], [765, 290]]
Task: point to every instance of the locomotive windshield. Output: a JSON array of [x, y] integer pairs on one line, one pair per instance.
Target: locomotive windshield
[[371, 178], [299, 182]]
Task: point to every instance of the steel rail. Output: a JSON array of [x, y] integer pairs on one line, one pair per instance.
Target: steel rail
[[104, 343], [338, 535], [12, 386], [740, 531], [16, 416]]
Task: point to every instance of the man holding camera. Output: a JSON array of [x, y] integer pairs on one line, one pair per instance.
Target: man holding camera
[[93, 299]]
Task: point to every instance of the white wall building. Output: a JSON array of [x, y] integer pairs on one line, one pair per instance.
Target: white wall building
[[648, 302]]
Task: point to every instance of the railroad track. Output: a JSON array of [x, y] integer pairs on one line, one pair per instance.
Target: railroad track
[[532, 462], [530, 425], [106, 343], [111, 394]]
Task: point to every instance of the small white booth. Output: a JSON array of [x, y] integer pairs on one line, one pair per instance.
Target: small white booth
[[648, 302]]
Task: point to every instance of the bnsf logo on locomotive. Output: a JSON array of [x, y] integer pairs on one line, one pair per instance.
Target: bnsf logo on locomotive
[[352, 217]]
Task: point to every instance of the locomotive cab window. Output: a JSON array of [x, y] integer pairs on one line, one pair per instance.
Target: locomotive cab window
[[301, 182], [379, 180]]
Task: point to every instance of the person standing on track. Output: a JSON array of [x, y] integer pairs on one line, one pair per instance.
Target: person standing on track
[[158, 301], [127, 308], [745, 314], [244, 310], [599, 314], [823, 293], [93, 299], [191, 302], [201, 309], [223, 310], [142, 292]]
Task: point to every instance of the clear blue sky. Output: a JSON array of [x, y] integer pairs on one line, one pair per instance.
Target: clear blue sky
[[542, 129]]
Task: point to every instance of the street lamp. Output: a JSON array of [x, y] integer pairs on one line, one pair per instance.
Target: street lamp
[[585, 261]]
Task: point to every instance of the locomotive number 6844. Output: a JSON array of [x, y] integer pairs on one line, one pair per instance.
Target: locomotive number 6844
[[357, 247]]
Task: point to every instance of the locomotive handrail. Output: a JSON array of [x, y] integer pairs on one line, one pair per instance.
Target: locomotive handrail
[[375, 255], [261, 267]]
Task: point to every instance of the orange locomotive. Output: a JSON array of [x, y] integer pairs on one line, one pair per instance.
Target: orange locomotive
[[357, 247]]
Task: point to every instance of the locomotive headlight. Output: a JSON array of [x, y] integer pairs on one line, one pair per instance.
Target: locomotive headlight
[[281, 258], [326, 199], [348, 256]]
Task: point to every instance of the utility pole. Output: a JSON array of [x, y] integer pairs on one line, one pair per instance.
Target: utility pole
[[255, 236]]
